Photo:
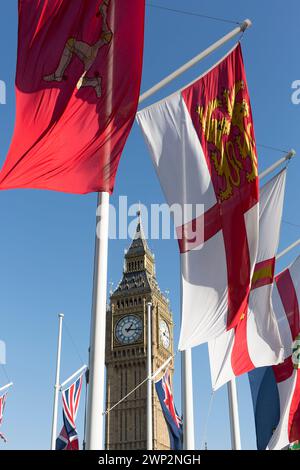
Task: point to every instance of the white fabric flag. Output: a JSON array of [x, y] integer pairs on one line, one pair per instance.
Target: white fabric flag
[[255, 342], [286, 300], [276, 389], [202, 144]]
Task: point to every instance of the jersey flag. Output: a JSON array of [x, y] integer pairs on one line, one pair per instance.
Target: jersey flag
[[202, 144], [77, 88], [255, 341], [276, 390]]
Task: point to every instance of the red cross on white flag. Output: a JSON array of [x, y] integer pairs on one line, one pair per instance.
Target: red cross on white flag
[[202, 144]]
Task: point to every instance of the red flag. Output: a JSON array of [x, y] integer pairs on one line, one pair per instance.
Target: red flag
[[77, 85]]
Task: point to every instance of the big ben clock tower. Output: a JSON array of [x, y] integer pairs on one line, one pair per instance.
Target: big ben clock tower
[[126, 350]]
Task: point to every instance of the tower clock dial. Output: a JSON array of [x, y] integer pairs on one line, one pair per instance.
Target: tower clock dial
[[164, 334], [128, 330]]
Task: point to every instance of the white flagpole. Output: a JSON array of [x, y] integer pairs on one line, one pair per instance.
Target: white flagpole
[[78, 372], [149, 375], [5, 387], [96, 386], [161, 368], [286, 250], [279, 162], [234, 415], [96, 408], [57, 384], [243, 26], [187, 400]]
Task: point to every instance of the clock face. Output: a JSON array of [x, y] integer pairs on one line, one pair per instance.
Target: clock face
[[129, 329], [164, 334]]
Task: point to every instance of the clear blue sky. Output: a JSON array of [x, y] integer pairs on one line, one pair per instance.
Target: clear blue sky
[[47, 238]]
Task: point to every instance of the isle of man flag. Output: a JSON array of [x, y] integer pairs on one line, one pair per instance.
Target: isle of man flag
[[255, 341], [77, 89], [202, 144]]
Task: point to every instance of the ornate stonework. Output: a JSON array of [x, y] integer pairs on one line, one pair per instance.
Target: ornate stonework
[[126, 350]]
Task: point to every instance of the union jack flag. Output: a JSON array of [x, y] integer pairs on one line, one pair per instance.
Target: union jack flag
[[173, 420], [68, 437], [2, 406]]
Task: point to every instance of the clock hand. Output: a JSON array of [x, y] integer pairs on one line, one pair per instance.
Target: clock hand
[[128, 329]]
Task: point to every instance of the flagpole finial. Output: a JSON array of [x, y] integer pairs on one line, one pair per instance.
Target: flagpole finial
[[291, 154], [246, 24], [139, 211], [61, 315]]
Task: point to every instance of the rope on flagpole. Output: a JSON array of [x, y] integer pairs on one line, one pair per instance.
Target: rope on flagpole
[[275, 149], [190, 13], [203, 441], [291, 223], [139, 385], [75, 347]]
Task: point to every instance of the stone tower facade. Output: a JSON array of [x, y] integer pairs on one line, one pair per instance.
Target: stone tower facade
[[126, 351]]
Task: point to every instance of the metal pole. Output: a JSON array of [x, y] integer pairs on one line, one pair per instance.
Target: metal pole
[[161, 368], [286, 250], [96, 386], [79, 371], [273, 167], [57, 384], [149, 381], [5, 387], [246, 24], [234, 415], [187, 400], [95, 411]]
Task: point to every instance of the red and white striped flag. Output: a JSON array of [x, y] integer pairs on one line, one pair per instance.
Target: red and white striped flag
[[202, 144], [255, 341]]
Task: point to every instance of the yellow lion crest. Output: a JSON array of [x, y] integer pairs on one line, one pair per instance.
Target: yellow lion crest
[[226, 161]]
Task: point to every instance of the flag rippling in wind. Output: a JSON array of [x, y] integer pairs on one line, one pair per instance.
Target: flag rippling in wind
[[174, 422], [255, 341], [2, 406], [68, 437], [77, 88], [202, 144], [276, 390]]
